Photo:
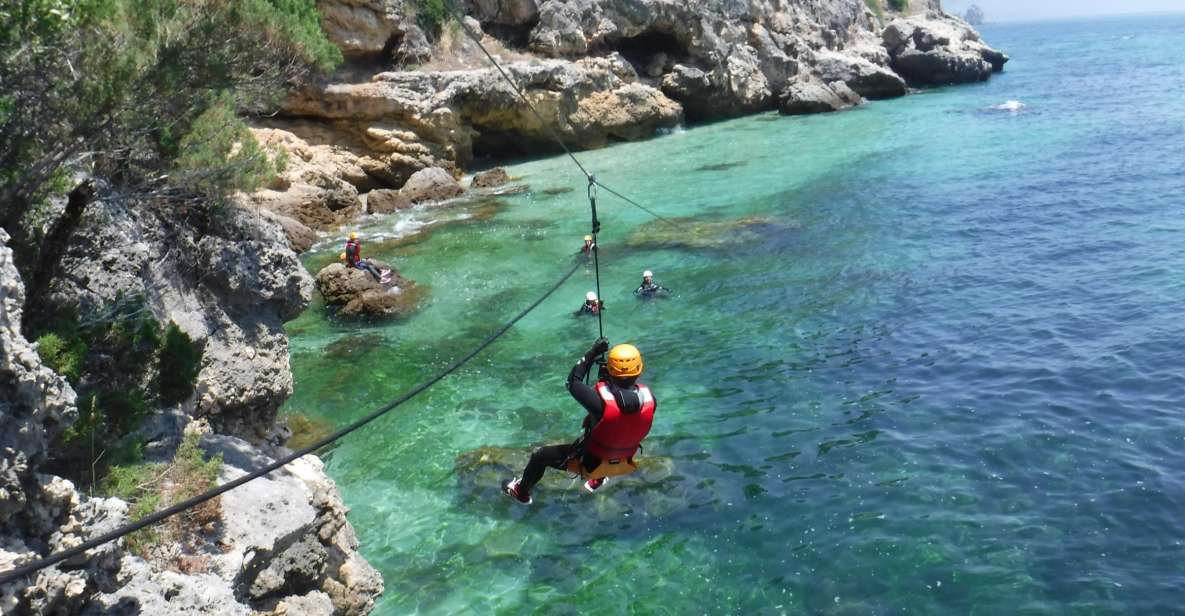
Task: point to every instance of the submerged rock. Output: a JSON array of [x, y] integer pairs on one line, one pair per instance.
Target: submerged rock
[[937, 49], [359, 295], [696, 233], [490, 465]]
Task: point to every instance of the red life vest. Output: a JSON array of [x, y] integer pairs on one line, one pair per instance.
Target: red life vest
[[353, 252], [618, 434]]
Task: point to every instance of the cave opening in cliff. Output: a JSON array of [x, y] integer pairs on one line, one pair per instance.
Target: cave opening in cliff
[[651, 53], [516, 36]]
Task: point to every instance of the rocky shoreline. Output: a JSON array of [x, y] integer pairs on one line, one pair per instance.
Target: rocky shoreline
[[597, 71], [394, 129]]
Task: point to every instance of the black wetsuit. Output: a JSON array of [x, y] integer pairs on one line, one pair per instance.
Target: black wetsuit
[[557, 456], [647, 290]]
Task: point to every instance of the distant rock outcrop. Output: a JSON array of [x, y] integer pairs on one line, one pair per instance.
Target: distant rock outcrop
[[974, 15], [937, 49]]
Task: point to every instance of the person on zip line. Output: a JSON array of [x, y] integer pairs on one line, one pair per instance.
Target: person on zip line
[[620, 412]]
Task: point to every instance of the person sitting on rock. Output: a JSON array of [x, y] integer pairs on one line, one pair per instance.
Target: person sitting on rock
[[591, 306], [354, 259], [619, 410], [588, 247], [649, 288]]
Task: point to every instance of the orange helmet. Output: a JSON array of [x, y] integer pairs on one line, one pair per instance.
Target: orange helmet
[[625, 361]]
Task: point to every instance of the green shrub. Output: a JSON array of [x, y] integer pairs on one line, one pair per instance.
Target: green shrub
[[64, 356], [899, 5], [431, 15], [149, 487], [219, 154], [180, 362]]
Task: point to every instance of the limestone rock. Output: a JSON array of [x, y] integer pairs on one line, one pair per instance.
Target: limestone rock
[[490, 179], [372, 28], [230, 290], [432, 184], [286, 536], [806, 97], [359, 295], [35, 403], [385, 201], [300, 237], [937, 49], [861, 75], [505, 12]]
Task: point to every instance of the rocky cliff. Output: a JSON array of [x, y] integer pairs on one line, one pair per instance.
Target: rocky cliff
[[282, 545], [597, 70]]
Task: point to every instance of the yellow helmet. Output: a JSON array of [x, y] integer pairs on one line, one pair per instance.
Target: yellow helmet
[[353, 235], [625, 361], [588, 238]]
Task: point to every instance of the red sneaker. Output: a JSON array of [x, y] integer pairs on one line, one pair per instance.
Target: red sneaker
[[511, 489], [592, 485]]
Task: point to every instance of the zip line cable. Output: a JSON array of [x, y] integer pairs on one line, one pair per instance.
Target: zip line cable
[[460, 17], [164, 514], [159, 516], [596, 228]]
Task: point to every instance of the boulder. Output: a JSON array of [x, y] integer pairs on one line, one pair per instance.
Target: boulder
[[505, 12], [300, 237], [937, 49], [807, 97], [367, 29], [862, 76], [357, 294], [431, 184], [385, 201], [490, 179]]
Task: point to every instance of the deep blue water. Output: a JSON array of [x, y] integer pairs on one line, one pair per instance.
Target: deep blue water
[[940, 374]]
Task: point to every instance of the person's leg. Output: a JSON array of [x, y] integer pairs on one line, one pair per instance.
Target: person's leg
[[554, 456]]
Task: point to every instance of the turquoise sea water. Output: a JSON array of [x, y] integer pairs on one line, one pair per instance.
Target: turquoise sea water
[[941, 374]]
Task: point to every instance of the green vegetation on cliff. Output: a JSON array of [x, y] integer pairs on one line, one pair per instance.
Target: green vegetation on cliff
[[141, 94], [149, 487], [121, 363]]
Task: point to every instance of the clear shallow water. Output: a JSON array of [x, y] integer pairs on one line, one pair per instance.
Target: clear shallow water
[[943, 376]]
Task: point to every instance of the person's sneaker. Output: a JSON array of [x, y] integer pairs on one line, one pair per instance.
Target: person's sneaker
[[592, 485], [511, 489]]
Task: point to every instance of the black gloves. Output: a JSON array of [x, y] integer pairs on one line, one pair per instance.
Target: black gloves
[[599, 347]]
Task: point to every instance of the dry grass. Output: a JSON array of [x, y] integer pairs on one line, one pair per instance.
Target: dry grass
[[455, 51], [182, 542]]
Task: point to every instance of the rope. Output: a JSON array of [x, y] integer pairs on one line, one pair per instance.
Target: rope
[[460, 17], [635, 203], [164, 514], [596, 250]]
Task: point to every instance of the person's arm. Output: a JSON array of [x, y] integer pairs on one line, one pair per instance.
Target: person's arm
[[584, 394]]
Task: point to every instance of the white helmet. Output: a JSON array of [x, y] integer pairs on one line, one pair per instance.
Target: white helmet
[[648, 274], [591, 296]]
